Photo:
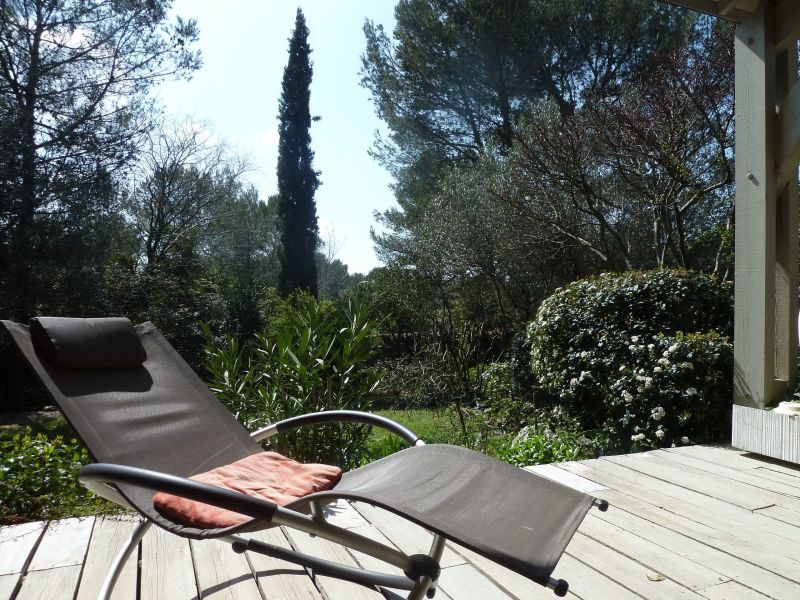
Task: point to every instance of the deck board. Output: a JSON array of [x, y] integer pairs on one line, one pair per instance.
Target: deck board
[[108, 536], [696, 523]]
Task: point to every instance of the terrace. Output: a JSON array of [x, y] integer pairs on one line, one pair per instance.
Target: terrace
[[691, 522], [695, 522]]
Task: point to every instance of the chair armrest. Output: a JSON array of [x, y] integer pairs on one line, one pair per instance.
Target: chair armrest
[[339, 416], [96, 476]]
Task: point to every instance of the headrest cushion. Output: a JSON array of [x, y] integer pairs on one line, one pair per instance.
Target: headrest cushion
[[88, 343]]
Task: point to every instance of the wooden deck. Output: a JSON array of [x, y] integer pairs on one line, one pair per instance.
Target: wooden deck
[[695, 522]]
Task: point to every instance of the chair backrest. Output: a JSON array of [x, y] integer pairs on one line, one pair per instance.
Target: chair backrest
[[158, 415]]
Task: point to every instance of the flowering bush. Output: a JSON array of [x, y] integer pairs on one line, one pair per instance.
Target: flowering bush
[[643, 356]]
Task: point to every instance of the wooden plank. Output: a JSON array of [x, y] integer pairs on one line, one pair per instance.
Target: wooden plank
[[369, 562], [787, 25], [752, 477], [726, 490], [108, 537], [516, 585], [277, 578], [754, 320], [766, 432], [743, 461], [772, 535], [586, 583], [771, 575], [563, 477], [64, 544], [626, 571], [47, 584], [335, 589], [407, 536], [8, 583], [342, 514], [791, 517], [656, 548], [777, 577], [223, 573], [788, 137], [662, 524], [16, 544], [167, 570], [731, 590], [463, 581]]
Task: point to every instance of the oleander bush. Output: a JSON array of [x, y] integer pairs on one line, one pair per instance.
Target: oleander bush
[[315, 356], [644, 358]]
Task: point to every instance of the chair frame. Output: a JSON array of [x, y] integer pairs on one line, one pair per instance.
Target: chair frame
[[421, 570]]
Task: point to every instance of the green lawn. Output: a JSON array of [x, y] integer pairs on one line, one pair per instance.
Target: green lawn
[[434, 426]]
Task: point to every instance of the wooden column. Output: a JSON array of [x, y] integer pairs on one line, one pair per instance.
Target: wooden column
[[754, 327], [767, 152]]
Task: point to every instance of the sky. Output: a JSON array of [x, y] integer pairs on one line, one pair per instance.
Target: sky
[[235, 94]]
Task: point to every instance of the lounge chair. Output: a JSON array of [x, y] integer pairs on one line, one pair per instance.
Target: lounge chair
[[149, 423]]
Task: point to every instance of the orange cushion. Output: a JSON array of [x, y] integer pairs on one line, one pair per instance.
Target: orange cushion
[[266, 475]]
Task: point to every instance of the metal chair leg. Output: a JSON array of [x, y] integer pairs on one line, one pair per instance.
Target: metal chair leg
[[122, 557]]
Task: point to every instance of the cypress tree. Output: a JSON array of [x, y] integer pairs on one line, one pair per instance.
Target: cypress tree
[[297, 180]]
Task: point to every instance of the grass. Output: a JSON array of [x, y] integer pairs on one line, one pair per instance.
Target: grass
[[436, 426]]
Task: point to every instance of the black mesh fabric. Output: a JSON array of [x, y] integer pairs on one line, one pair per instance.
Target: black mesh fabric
[[157, 416], [519, 519]]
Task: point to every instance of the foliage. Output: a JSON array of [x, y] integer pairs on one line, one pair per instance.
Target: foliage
[[38, 479], [433, 426], [315, 356], [639, 353], [181, 179], [180, 303], [638, 180], [542, 443], [297, 180], [453, 79], [74, 87]]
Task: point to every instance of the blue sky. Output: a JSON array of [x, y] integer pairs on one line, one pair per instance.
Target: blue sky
[[244, 45]]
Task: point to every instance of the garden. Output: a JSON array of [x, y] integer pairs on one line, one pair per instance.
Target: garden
[[553, 281], [609, 364]]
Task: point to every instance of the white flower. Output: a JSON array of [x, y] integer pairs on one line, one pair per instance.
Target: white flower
[[686, 365], [660, 433], [685, 440], [635, 339], [627, 396], [663, 362], [573, 383], [637, 438], [691, 391], [665, 354], [672, 348], [648, 382], [657, 370], [622, 368], [650, 346], [585, 354], [658, 413]]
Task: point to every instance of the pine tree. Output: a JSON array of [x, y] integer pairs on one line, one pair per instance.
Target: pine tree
[[297, 180]]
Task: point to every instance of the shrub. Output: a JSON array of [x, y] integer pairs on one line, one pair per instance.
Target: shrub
[[38, 479], [597, 344], [317, 357], [550, 436]]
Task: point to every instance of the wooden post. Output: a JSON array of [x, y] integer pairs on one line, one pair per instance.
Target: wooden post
[[786, 254], [754, 325], [767, 153]]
